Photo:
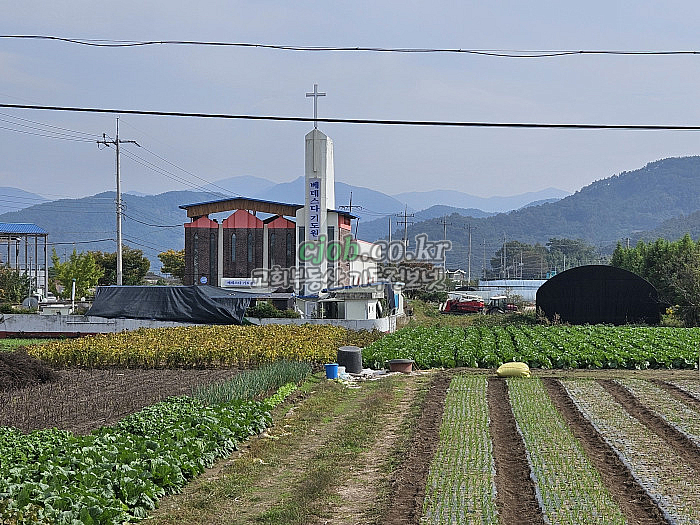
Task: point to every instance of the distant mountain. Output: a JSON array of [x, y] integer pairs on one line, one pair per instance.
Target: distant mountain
[[424, 199], [152, 223], [372, 202], [661, 199], [601, 213], [242, 185], [13, 199], [379, 228], [537, 203]]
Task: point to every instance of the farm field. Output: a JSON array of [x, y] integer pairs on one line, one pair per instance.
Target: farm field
[[594, 347], [567, 446]]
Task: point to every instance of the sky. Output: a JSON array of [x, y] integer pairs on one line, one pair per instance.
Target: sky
[[451, 87]]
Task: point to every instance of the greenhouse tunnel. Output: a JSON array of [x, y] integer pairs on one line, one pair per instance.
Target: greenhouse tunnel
[[599, 294]]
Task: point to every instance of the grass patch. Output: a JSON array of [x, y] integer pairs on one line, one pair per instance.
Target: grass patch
[[10, 344]]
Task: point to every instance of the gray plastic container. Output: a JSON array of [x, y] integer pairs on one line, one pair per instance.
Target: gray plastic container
[[351, 358]]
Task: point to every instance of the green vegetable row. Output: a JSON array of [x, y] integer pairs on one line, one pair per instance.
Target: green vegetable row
[[595, 346], [118, 473]]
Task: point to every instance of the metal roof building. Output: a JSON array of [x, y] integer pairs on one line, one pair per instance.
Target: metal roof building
[[27, 260]]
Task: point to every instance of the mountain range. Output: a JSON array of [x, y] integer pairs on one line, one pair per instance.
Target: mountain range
[[660, 199]]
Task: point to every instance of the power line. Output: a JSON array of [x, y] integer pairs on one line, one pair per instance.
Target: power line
[[505, 53], [429, 123], [153, 225]]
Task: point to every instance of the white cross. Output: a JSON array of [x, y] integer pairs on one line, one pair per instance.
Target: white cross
[[315, 94]]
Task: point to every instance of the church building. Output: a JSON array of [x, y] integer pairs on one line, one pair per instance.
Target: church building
[[270, 247]]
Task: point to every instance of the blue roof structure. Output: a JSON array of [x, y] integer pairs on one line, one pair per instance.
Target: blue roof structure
[[21, 228]]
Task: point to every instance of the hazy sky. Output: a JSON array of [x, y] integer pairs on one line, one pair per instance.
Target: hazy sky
[[573, 89]]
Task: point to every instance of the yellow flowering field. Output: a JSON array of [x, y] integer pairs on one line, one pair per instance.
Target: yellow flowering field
[[203, 346]]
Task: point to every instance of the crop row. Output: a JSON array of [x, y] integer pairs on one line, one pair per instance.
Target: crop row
[[539, 346], [203, 346], [118, 473], [648, 457], [461, 486], [677, 414], [569, 488]]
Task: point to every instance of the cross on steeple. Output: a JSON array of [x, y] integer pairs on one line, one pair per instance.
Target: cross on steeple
[[315, 94]]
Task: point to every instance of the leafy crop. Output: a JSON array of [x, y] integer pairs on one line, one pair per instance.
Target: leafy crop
[[650, 459], [461, 481], [118, 473], [598, 346], [568, 487], [204, 346]]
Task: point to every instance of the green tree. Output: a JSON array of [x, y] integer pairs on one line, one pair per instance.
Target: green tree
[[134, 266], [14, 286], [81, 267], [672, 267], [173, 263]]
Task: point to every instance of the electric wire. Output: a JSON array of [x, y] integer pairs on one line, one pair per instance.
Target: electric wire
[[428, 123], [505, 53]]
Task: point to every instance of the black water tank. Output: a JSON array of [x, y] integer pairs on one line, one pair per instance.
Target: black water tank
[[351, 358]]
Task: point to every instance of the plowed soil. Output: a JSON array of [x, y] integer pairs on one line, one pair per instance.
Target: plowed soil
[[82, 400]]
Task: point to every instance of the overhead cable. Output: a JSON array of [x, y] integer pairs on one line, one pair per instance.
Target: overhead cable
[[429, 123], [505, 53]]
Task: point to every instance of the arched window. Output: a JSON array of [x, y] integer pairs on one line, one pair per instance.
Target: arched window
[[250, 247], [233, 247]]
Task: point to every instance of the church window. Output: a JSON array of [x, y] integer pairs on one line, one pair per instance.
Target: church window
[[250, 247], [271, 249], [233, 247]]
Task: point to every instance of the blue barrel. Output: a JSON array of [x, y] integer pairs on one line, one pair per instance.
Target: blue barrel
[[332, 371]]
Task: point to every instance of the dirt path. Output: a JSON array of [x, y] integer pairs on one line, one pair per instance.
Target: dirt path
[[686, 449], [635, 503], [364, 495], [678, 393], [318, 464], [409, 480], [515, 490]]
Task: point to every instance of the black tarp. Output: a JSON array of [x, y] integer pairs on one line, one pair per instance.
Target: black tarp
[[599, 294], [190, 304]]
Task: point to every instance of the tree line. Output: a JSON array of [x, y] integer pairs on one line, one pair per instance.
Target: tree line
[[673, 267]]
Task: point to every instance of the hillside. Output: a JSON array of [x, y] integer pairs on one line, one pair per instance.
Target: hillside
[[14, 199], [601, 213], [151, 223]]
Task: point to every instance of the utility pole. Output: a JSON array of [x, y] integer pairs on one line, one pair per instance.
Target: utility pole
[[469, 256], [444, 238], [349, 208], [483, 265], [405, 223], [503, 264], [118, 201], [389, 230]]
